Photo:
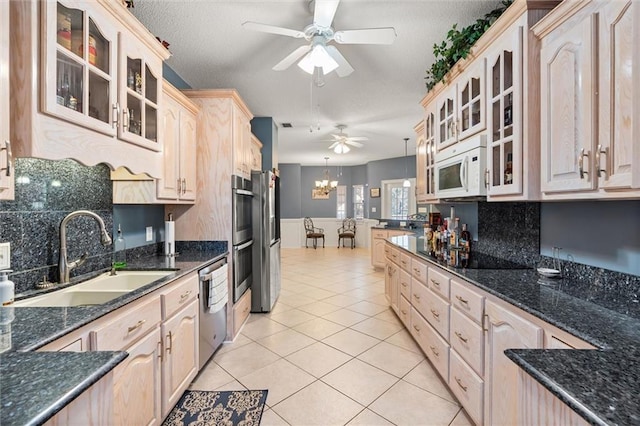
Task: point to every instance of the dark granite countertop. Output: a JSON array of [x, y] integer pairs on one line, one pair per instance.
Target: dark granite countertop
[[600, 385], [36, 385], [34, 327]]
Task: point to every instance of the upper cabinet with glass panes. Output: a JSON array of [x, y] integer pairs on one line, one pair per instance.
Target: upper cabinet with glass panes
[[497, 91], [95, 96]]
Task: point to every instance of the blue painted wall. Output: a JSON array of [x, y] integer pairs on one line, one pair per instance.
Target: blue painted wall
[[266, 130], [605, 234], [392, 168], [290, 190]]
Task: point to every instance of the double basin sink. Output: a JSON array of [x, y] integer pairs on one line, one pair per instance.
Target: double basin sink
[[96, 291]]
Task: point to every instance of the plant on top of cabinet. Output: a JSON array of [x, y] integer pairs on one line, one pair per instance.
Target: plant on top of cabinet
[[79, 103]]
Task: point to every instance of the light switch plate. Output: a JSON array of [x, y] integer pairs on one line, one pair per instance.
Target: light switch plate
[[149, 233], [5, 255], [373, 209]]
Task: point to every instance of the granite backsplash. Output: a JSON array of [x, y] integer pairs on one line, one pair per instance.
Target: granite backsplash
[[46, 191]]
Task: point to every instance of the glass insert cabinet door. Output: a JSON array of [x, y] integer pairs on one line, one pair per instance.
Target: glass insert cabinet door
[[80, 67], [504, 174], [139, 95]]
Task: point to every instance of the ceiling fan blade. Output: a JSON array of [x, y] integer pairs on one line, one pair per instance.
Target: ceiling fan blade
[[255, 26], [337, 137], [366, 36], [333, 145], [354, 143], [324, 12], [344, 67], [358, 138], [292, 58]]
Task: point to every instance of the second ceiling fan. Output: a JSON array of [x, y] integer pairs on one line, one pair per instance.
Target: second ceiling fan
[[319, 56], [342, 140]]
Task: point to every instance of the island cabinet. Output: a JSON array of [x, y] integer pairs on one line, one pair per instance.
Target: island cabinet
[[88, 78], [7, 180], [464, 331], [177, 182], [378, 249], [590, 74]]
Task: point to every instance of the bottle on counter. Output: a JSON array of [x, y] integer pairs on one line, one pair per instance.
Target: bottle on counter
[[465, 238], [454, 234], [7, 288], [119, 254], [508, 170]]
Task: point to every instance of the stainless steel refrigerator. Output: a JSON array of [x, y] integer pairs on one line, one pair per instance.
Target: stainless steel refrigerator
[[265, 287]]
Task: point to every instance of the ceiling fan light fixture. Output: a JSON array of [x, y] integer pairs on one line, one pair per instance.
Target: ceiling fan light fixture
[[318, 57], [341, 149], [406, 183]]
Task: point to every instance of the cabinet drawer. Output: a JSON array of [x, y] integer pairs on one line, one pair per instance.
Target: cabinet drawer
[[419, 296], [405, 262], [123, 329], [387, 250], [438, 313], [419, 271], [468, 340], [405, 312], [394, 255], [467, 300], [179, 294], [241, 311], [467, 387], [378, 234], [436, 349], [439, 282], [405, 284]]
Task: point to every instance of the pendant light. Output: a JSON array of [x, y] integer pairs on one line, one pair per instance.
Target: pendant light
[[406, 183]]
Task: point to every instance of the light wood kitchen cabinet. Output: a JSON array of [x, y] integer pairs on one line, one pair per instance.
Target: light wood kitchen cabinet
[[93, 407], [242, 142], [590, 129], [505, 329], [539, 406], [467, 386], [70, 62], [256, 153], [461, 108], [378, 241], [513, 106], [391, 285], [137, 383], [178, 181], [6, 162], [425, 157], [180, 363]]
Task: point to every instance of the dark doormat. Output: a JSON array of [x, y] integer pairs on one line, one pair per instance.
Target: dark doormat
[[226, 408]]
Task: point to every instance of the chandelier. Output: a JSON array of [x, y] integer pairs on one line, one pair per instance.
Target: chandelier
[[326, 185]]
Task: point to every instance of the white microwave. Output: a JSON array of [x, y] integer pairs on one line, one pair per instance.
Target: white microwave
[[459, 169]]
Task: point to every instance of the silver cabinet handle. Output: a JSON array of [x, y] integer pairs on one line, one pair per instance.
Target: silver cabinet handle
[[184, 185], [7, 147], [435, 314], [125, 119], [486, 178], [137, 326], [115, 113], [581, 162], [459, 336], [179, 186], [599, 152], [461, 300], [459, 382]]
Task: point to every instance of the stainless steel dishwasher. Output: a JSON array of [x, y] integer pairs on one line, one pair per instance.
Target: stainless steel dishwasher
[[214, 295]]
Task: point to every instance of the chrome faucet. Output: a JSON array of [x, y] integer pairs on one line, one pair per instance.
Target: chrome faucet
[[64, 266]]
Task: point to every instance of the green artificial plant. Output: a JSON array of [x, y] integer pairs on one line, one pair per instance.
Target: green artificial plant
[[458, 43]]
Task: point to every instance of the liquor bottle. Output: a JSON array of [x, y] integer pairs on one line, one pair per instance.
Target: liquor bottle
[[454, 234], [508, 170], [465, 238]]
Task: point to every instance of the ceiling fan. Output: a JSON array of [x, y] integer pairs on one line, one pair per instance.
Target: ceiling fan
[[341, 140], [319, 57]]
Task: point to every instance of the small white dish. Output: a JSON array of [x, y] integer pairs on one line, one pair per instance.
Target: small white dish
[[548, 272]]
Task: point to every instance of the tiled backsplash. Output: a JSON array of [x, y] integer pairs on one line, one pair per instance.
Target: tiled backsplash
[[46, 191]]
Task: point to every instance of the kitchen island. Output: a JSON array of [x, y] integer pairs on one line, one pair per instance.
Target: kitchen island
[[34, 327], [600, 385]]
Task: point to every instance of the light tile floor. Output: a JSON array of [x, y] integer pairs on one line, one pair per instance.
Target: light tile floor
[[332, 352]]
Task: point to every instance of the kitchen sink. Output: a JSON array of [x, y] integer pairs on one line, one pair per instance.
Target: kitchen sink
[[96, 291]]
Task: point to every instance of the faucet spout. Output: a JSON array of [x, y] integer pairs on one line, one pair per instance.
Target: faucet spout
[[64, 266]]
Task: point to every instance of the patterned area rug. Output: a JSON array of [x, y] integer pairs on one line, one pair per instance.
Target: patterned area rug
[[227, 408]]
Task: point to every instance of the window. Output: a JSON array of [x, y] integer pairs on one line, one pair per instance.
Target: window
[[341, 202], [398, 202], [358, 201]]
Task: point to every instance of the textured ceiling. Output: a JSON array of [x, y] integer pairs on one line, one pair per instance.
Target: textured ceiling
[[380, 99]]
